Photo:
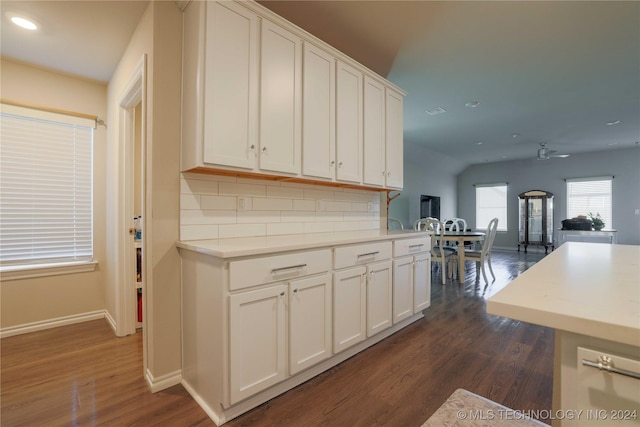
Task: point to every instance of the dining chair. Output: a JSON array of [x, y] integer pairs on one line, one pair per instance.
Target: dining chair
[[483, 255], [447, 257], [395, 224]]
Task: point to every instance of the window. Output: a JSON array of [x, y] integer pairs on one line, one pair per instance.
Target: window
[[593, 195], [491, 202], [46, 188]]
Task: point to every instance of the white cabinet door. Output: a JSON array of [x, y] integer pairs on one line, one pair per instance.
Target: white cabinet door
[[349, 307], [421, 282], [394, 140], [309, 322], [318, 113], [403, 288], [379, 297], [257, 340], [280, 100], [348, 123], [231, 86], [374, 133]]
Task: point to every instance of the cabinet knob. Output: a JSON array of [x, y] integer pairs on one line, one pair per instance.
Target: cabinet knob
[[264, 150], [282, 293], [340, 164], [333, 162], [252, 149], [295, 291], [383, 173]]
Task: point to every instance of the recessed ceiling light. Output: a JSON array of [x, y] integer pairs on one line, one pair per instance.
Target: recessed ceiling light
[[21, 21], [515, 135], [479, 143], [612, 143], [613, 123], [472, 104], [436, 110]]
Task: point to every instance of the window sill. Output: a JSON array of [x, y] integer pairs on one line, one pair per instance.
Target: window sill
[[43, 270]]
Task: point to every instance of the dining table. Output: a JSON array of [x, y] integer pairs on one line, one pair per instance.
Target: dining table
[[460, 237]]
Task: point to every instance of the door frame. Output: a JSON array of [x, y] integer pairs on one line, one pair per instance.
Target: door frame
[[134, 94]]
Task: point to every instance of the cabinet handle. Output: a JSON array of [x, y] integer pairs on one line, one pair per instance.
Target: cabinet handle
[[275, 270], [369, 254], [281, 294], [333, 162], [252, 149], [416, 246], [264, 150], [604, 363], [340, 164], [295, 291]]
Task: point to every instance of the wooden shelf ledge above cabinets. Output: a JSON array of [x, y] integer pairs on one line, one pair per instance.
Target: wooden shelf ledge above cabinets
[[279, 178]]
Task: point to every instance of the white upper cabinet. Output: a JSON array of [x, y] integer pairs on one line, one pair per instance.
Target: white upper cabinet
[[318, 113], [394, 140], [220, 86], [374, 133], [280, 99], [383, 135], [262, 96], [348, 123]]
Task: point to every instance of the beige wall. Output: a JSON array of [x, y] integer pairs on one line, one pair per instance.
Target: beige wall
[[28, 301], [159, 36]]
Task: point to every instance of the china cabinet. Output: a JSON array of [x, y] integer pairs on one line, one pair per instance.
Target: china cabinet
[[536, 219]]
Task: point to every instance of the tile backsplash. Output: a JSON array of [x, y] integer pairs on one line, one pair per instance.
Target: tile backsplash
[[213, 207]]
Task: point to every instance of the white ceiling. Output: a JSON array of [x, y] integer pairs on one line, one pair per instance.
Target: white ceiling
[[550, 71]]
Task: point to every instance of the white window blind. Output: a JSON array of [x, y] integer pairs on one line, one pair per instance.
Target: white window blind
[[593, 195], [491, 202], [46, 187]]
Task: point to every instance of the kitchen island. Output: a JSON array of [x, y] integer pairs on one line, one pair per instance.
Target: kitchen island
[[590, 294]]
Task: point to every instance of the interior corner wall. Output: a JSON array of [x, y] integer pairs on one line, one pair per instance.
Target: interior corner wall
[[38, 301], [426, 173], [550, 175], [159, 36]]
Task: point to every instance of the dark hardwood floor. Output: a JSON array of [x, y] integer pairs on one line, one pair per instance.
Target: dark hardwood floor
[[82, 375]]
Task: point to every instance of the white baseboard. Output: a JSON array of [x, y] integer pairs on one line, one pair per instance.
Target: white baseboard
[[51, 323], [111, 321], [163, 381]]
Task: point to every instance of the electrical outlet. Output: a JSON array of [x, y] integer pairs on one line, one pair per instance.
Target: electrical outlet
[[244, 203]]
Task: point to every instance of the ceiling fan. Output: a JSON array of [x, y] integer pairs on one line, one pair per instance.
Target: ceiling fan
[[545, 154]]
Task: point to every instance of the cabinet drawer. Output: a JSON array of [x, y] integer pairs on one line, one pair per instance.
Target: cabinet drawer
[[257, 271], [346, 256], [416, 245]]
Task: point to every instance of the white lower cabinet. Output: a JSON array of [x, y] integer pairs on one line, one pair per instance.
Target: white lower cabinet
[[256, 326], [411, 278], [257, 340], [349, 307], [411, 285], [309, 322], [379, 296]]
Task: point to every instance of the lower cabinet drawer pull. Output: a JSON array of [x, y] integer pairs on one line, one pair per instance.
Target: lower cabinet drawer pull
[[276, 270], [369, 254], [604, 364], [416, 246]]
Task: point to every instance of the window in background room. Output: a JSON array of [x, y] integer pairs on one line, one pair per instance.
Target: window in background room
[[46, 188], [593, 195], [491, 202]]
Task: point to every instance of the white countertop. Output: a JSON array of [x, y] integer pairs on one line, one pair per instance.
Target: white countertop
[[244, 246], [590, 289]]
